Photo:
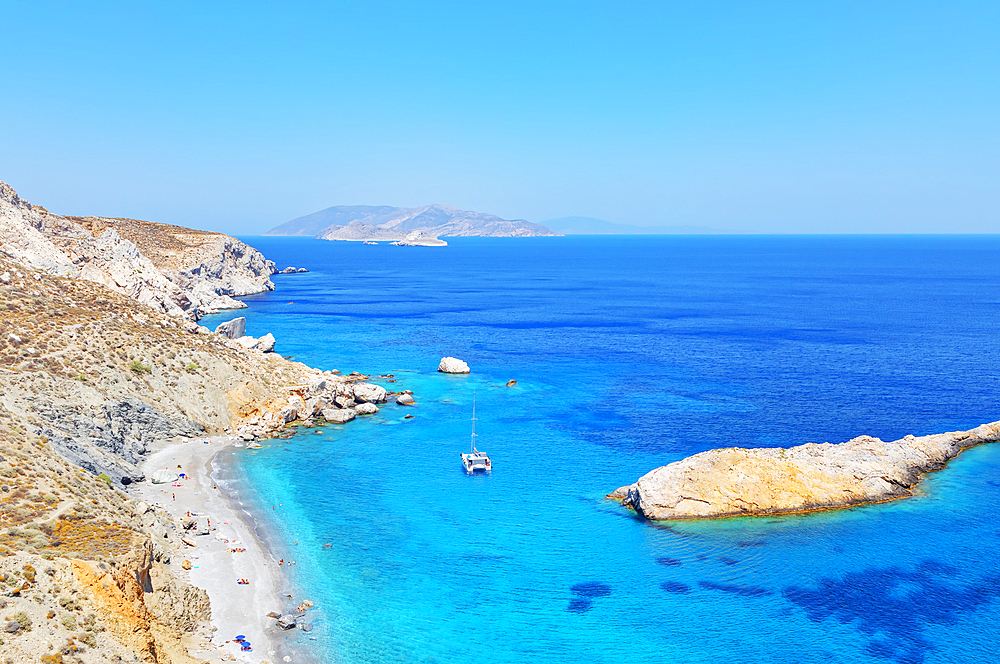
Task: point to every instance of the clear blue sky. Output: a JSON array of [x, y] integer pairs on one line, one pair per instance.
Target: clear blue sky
[[762, 116]]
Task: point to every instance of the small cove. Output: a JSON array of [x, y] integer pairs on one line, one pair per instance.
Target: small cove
[[630, 353]]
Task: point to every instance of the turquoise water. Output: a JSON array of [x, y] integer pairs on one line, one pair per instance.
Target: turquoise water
[[630, 353]]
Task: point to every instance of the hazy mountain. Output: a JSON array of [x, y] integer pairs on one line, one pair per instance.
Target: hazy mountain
[[382, 222], [592, 226]]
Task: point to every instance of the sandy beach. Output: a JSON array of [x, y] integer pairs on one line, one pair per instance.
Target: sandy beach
[[229, 552]]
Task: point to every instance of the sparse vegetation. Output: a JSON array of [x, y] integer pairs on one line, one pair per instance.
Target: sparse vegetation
[[138, 367]]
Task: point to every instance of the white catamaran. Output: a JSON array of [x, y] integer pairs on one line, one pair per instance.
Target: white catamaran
[[475, 460]]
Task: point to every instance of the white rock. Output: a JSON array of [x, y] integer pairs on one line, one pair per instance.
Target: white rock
[[453, 365], [314, 406], [339, 415], [266, 343], [246, 342], [141, 508], [163, 477], [233, 329], [405, 400], [366, 409], [5, 278], [369, 393]]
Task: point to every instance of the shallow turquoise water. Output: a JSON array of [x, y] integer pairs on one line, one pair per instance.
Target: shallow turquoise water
[[631, 353]]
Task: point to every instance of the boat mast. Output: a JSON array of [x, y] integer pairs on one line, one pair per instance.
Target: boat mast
[[473, 421]]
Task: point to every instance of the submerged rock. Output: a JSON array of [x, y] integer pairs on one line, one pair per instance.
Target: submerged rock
[[453, 365], [735, 481]]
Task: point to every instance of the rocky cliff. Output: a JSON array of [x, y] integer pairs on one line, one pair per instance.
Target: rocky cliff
[[736, 482], [166, 268]]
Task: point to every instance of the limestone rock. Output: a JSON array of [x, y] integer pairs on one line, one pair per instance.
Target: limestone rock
[[233, 329], [163, 476], [370, 393], [246, 342], [266, 343], [343, 401], [366, 409], [453, 365], [339, 415], [405, 400], [735, 481]]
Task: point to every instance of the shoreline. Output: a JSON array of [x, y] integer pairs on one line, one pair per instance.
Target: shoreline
[[235, 608]]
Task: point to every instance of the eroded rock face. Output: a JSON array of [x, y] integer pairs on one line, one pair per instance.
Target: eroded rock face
[[736, 481], [453, 365], [170, 269], [233, 329]]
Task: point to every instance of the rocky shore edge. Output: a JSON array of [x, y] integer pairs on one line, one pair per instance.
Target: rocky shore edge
[[735, 481], [104, 373]]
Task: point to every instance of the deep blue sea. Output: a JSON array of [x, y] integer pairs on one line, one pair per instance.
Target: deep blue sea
[[630, 353]]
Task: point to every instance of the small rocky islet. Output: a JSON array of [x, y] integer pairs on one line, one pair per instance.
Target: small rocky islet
[[735, 481]]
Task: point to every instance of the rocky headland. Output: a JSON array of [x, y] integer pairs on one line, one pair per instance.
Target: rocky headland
[[102, 366], [740, 482], [174, 270]]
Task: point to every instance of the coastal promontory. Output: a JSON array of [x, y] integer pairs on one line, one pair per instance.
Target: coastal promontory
[[735, 481]]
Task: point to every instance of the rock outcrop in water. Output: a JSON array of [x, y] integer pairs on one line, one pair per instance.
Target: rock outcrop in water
[[736, 482], [453, 365]]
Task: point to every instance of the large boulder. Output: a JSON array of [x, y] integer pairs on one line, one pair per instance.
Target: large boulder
[[163, 476], [453, 365], [266, 343], [314, 406], [339, 415], [366, 409], [234, 329], [405, 400], [246, 342], [370, 393]]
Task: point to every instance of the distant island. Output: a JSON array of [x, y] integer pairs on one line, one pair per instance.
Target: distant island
[[405, 226], [593, 226]]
